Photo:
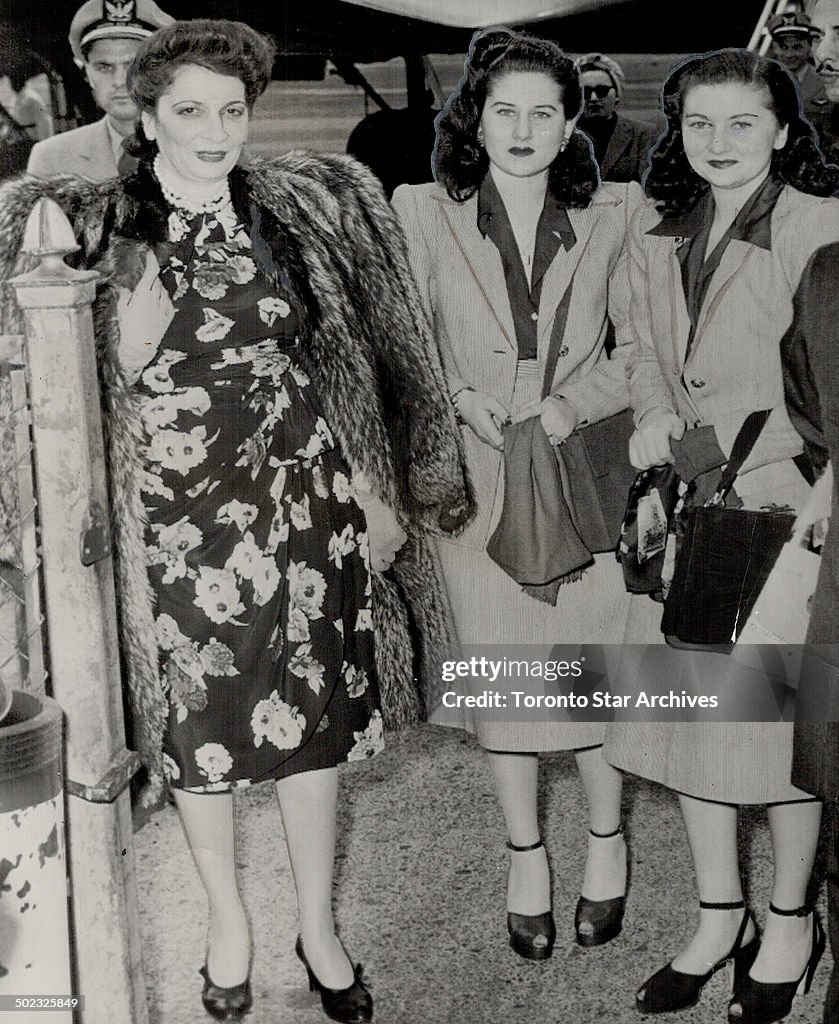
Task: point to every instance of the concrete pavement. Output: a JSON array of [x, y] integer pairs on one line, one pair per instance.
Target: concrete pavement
[[419, 898]]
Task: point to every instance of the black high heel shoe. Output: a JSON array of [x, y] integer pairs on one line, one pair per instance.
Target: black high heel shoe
[[226, 1003], [603, 917], [350, 1005], [764, 1002], [532, 936], [669, 990]]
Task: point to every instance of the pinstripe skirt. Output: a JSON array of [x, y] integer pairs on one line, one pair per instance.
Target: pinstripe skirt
[[729, 762], [490, 609]]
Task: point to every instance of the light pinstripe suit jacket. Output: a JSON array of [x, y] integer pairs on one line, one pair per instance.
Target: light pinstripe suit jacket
[[461, 281], [84, 151], [734, 366]]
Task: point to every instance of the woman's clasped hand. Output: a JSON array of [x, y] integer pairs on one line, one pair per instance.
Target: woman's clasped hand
[[651, 443], [144, 316]]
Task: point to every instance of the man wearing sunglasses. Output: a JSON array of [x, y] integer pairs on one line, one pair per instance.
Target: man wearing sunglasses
[[620, 143]]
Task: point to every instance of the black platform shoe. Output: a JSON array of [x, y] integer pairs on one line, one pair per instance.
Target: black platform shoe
[[669, 990], [351, 1005], [532, 936], [226, 1003], [764, 1002], [604, 917]]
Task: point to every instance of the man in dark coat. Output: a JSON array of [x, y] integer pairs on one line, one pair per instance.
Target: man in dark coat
[[811, 364], [621, 145]]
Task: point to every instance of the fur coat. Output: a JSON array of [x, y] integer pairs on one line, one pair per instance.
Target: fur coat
[[323, 224]]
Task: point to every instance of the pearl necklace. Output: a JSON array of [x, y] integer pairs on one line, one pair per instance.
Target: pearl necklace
[[191, 204]]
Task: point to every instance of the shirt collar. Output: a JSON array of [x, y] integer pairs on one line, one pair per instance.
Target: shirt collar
[[116, 140], [554, 214], [753, 224]]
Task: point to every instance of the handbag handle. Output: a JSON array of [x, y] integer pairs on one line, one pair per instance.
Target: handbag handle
[[743, 444]]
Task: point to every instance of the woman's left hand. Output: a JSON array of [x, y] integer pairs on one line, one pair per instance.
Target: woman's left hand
[[558, 417], [384, 534]]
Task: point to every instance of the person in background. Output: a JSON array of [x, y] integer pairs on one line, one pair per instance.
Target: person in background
[[825, 22], [621, 144], [810, 352], [792, 44], [104, 38], [26, 105]]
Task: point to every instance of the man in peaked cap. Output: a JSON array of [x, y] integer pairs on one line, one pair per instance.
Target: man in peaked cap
[[104, 36], [792, 37]]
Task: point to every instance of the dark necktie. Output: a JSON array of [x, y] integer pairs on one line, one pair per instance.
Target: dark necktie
[[127, 164]]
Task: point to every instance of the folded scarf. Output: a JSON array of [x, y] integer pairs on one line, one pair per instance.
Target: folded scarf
[[535, 541]]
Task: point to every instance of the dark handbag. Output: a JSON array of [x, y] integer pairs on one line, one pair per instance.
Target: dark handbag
[[594, 461], [598, 474], [724, 558]]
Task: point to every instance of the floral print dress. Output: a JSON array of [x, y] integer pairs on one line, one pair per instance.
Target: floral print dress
[[256, 548]]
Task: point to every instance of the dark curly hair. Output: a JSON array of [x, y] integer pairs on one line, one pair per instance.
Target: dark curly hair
[[225, 47], [460, 162], [673, 182]]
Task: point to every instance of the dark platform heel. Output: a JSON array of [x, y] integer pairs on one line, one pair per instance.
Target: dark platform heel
[[350, 1005], [604, 917], [226, 1003], [764, 1002], [669, 990], [532, 936]]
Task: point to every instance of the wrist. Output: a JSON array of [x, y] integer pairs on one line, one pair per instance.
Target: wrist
[[362, 488], [456, 398], [570, 410], [653, 414]]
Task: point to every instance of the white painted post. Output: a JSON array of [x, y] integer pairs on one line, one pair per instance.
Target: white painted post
[[81, 620]]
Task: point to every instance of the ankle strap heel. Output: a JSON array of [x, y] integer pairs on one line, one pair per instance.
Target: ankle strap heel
[[532, 936], [804, 911], [669, 990], [525, 849], [606, 835]]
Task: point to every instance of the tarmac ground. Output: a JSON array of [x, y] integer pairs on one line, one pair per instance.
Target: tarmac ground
[[419, 899]]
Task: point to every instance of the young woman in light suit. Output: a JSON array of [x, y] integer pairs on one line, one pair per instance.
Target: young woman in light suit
[[737, 180], [516, 219]]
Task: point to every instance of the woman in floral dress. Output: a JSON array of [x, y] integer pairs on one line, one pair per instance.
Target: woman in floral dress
[[264, 380], [256, 544]]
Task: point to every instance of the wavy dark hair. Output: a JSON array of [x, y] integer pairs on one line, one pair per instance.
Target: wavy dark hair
[[225, 47], [673, 182], [460, 162]]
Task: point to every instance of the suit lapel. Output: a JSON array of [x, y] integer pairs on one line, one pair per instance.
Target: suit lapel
[[561, 272], [734, 258], [679, 316], [483, 261], [101, 152]]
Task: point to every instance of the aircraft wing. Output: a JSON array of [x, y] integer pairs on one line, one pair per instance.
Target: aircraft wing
[[479, 13]]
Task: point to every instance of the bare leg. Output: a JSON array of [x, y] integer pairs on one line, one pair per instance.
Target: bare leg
[[308, 803], [207, 820], [605, 874], [712, 834], [516, 784], [787, 940]]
